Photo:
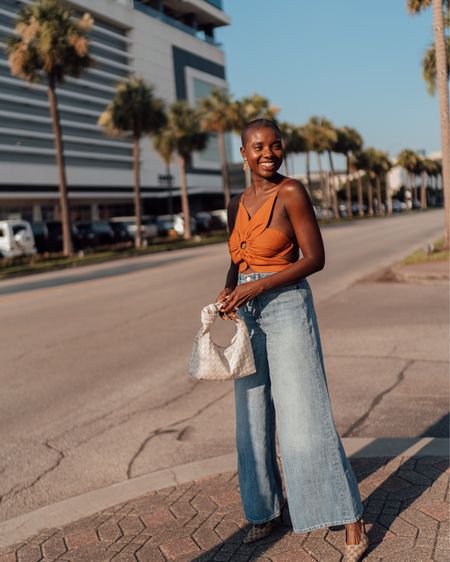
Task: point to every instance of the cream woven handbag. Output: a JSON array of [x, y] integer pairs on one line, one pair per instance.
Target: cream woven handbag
[[213, 362]]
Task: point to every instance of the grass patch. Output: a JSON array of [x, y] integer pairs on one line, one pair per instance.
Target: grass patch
[[436, 253], [14, 267]]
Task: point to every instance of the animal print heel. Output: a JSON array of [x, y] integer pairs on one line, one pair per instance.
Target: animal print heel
[[258, 532]]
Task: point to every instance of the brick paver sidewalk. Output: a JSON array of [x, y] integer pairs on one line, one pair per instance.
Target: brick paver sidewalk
[[406, 513]]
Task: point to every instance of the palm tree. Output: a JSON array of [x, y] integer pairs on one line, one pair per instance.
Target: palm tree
[[331, 132], [320, 135], [442, 72], [184, 125], [373, 160], [164, 144], [256, 107], [387, 166], [134, 111], [51, 44], [348, 142], [407, 159], [302, 132], [294, 141], [220, 114], [359, 161], [381, 167]]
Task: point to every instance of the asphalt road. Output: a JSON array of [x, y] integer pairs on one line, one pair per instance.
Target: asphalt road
[[93, 372]]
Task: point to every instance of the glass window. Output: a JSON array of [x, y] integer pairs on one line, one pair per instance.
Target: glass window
[[18, 228], [202, 89]]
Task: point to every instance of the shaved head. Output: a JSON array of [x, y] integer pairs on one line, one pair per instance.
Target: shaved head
[[258, 124]]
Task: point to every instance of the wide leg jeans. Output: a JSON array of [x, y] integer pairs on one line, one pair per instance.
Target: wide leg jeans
[[289, 394]]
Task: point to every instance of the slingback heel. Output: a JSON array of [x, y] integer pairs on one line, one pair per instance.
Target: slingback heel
[[354, 552]]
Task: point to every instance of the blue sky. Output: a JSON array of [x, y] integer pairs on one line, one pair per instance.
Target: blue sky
[[357, 62]]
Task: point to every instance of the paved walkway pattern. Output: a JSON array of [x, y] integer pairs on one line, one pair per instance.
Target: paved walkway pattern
[[406, 514]]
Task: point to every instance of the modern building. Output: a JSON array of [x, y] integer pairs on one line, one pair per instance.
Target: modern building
[[171, 44]]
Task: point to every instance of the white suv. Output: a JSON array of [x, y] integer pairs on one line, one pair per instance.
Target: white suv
[[16, 239]]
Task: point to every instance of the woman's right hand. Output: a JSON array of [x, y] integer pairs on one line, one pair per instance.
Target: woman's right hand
[[221, 298]]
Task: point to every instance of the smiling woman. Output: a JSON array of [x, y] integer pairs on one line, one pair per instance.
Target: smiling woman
[[270, 223]]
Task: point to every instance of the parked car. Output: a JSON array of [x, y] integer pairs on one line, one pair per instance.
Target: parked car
[[219, 219], [355, 209], [342, 208], [174, 225], [95, 233], [149, 227], [16, 239], [203, 221], [121, 232], [166, 225], [55, 241], [398, 206], [40, 233]]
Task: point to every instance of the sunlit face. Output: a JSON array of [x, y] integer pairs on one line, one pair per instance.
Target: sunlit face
[[263, 150]]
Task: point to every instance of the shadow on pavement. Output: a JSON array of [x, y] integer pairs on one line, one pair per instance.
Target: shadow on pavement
[[389, 487], [88, 276]]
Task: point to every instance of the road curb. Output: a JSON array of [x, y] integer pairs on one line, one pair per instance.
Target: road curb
[[410, 274], [71, 509]]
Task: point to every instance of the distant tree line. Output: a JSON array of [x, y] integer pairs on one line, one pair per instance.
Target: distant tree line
[[51, 44]]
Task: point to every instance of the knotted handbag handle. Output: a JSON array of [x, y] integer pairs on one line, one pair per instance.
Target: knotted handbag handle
[[209, 315]]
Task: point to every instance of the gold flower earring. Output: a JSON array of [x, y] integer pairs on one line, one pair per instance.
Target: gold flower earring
[[245, 165]]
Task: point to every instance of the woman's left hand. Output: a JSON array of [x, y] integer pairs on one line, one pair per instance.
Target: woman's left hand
[[240, 295]]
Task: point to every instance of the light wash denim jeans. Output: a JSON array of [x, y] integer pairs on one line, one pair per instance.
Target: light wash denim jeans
[[289, 391]]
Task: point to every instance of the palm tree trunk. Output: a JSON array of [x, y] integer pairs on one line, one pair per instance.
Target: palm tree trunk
[[137, 193], [323, 187], [423, 191], [169, 186], [348, 191], [442, 81], [286, 165], [308, 170], [370, 197], [333, 186], [378, 187], [360, 196], [414, 187], [184, 198], [60, 164], [387, 182], [225, 176], [407, 187]]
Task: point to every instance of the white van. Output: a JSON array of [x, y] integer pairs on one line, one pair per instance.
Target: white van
[[16, 239]]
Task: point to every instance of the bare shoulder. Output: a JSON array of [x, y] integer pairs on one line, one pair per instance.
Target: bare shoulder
[[293, 190]]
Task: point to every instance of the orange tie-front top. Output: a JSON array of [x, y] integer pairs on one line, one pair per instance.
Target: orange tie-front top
[[253, 244]]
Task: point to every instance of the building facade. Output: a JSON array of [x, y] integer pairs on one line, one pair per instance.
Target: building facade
[[171, 44]]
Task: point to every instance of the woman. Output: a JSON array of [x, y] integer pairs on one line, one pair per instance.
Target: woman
[[266, 285]]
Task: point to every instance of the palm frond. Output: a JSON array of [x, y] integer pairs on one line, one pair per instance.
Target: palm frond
[[429, 66], [134, 110], [50, 41], [416, 6]]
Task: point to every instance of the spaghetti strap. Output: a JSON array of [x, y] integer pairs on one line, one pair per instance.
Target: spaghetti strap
[[274, 196]]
